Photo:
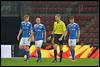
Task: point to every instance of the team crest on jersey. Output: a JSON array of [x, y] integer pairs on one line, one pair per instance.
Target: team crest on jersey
[[27, 24], [40, 26]]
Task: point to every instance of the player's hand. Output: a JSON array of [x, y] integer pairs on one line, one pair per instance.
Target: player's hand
[[60, 38], [18, 38], [28, 39], [49, 37], [82, 44], [33, 39], [44, 40], [78, 40]]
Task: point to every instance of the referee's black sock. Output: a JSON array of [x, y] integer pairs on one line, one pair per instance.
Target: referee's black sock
[[61, 52], [55, 54]]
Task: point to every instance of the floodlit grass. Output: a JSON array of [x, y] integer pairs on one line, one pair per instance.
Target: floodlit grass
[[48, 62]]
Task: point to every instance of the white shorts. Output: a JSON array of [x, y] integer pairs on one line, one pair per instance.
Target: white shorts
[[39, 43], [24, 41], [72, 42]]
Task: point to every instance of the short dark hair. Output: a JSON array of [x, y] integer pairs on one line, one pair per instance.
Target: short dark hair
[[71, 17]]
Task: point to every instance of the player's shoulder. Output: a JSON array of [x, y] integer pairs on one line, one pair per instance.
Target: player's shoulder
[[55, 22], [41, 24], [62, 21], [22, 22], [34, 25], [76, 24], [69, 24], [29, 22]]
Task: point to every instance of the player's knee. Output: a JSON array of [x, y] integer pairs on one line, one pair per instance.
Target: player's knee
[[55, 47], [61, 47], [72, 47], [38, 48], [20, 47], [26, 48]]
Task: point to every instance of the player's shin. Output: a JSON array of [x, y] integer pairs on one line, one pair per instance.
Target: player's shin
[[23, 50], [39, 54], [73, 53], [61, 52], [28, 55], [55, 54]]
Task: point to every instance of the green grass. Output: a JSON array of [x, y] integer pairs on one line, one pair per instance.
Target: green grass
[[48, 62]]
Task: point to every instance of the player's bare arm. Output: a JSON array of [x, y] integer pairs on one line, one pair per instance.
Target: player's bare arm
[[62, 36], [20, 31], [45, 36], [78, 36], [31, 36], [51, 35]]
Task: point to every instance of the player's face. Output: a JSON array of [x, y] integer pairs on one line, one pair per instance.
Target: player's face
[[37, 20], [26, 19], [57, 18], [72, 20]]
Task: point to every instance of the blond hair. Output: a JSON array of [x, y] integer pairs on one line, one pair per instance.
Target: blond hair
[[26, 16]]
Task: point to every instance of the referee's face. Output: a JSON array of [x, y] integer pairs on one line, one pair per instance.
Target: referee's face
[[57, 18]]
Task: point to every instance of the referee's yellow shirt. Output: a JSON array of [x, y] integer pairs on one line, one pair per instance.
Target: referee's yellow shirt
[[59, 27]]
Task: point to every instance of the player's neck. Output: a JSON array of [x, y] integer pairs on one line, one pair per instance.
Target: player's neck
[[72, 22], [58, 21], [26, 21], [38, 23]]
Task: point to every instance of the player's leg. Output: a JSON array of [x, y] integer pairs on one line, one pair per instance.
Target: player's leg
[[21, 46], [72, 43], [55, 47], [39, 54], [26, 47], [61, 52], [38, 46], [55, 53], [61, 48], [72, 52]]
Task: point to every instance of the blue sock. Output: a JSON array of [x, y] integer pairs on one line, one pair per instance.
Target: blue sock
[[28, 55], [23, 50], [39, 54], [73, 53]]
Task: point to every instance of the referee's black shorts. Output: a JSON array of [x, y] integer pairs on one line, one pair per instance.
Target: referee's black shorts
[[56, 39]]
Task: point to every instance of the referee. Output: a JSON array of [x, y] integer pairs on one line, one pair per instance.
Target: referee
[[58, 30]]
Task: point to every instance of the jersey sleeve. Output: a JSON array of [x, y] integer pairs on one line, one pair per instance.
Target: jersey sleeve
[[21, 25], [54, 26], [64, 27], [44, 28], [67, 28], [33, 28], [30, 26], [77, 27]]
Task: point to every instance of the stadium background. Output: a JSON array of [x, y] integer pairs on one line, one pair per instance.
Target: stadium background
[[86, 14]]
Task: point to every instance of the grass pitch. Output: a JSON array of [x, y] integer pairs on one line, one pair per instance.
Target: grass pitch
[[48, 62]]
